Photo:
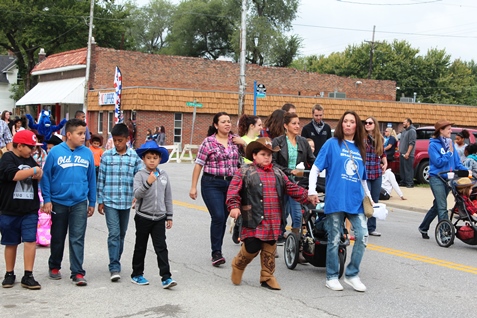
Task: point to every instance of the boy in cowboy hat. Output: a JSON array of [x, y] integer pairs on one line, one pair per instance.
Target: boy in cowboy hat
[[256, 193], [464, 187], [153, 192]]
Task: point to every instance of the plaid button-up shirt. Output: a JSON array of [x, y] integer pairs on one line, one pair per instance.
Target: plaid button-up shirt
[[373, 161], [270, 227], [5, 134], [216, 159], [116, 178]]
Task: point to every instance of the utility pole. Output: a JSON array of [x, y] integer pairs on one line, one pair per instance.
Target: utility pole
[[371, 54], [243, 39], [88, 58]]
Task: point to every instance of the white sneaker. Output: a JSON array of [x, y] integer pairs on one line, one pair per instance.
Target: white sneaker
[[334, 284], [356, 283]]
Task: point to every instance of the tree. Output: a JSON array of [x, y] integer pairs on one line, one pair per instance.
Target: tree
[[432, 77], [202, 28], [151, 25], [60, 25], [267, 23]]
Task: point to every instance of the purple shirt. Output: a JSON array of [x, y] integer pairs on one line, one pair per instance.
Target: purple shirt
[[216, 159]]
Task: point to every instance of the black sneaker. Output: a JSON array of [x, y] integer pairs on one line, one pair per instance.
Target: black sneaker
[[9, 281], [217, 259], [30, 282]]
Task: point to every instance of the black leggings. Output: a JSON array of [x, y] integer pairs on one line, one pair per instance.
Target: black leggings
[[254, 245]]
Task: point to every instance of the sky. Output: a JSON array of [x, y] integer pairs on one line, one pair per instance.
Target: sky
[[328, 26]]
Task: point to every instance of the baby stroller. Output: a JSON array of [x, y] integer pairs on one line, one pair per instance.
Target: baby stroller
[[312, 241], [460, 223]]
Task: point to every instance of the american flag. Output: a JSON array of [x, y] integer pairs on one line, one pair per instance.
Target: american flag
[[118, 87]]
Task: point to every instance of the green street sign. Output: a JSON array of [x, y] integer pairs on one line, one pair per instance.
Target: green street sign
[[193, 104]]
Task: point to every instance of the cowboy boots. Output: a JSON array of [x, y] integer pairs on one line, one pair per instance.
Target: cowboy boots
[[240, 261], [267, 258]]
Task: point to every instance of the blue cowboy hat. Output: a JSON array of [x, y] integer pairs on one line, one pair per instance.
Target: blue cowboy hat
[[151, 145]]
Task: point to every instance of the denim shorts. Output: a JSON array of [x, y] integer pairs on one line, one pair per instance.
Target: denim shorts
[[17, 229]]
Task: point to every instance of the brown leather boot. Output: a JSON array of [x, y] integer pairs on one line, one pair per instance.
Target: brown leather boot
[[295, 230], [240, 261], [267, 258]]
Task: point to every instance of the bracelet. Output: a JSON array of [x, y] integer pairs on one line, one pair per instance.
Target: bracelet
[[34, 170]]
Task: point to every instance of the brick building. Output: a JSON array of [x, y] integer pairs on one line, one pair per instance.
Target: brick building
[[156, 89]]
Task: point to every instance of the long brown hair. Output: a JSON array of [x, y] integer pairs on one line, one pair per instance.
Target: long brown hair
[[274, 123], [378, 139], [359, 134], [244, 123]]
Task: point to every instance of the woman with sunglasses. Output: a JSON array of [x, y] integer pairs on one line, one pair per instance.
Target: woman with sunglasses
[[374, 156]]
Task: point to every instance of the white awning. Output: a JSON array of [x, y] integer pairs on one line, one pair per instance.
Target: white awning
[[67, 91]]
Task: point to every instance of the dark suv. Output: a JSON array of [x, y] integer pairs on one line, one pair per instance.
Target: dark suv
[[421, 157]]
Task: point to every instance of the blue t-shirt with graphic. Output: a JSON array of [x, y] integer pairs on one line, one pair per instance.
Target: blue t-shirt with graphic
[[344, 192]]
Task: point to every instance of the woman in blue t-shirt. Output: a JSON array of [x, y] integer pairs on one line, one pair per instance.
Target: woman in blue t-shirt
[[342, 157]]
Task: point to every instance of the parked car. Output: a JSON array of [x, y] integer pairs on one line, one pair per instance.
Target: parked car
[[421, 156]]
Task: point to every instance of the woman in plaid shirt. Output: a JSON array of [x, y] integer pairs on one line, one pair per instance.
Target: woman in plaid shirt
[[374, 155], [219, 156], [256, 193]]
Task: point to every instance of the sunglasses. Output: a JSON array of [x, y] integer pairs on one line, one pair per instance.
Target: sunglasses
[[31, 147], [369, 123]]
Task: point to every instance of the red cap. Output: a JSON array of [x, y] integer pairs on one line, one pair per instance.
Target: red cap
[[26, 137]]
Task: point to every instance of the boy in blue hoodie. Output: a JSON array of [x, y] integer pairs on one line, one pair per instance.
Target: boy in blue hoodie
[[69, 194], [153, 192]]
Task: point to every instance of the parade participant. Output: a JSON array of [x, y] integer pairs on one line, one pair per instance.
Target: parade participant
[[442, 157], [219, 156], [249, 128], [317, 129], [343, 157], [261, 209]]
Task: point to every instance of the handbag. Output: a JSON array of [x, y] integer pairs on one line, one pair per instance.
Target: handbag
[[367, 205]]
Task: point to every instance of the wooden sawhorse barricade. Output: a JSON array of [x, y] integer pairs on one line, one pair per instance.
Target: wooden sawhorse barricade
[[175, 151], [188, 149]]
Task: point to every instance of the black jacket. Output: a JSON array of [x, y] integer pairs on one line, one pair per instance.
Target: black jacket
[[280, 158], [309, 131]]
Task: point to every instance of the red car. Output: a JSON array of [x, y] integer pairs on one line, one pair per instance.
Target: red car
[[421, 157]]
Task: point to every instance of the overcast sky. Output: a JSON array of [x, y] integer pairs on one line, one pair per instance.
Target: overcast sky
[[328, 26]]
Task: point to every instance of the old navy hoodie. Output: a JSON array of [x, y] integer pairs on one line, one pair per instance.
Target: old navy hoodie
[[69, 176]]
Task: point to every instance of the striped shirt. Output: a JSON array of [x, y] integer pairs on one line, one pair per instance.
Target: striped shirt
[[116, 178], [216, 159]]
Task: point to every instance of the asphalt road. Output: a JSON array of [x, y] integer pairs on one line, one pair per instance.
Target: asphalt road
[[406, 276]]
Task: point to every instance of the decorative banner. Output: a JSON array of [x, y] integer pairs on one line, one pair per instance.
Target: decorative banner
[[118, 87]]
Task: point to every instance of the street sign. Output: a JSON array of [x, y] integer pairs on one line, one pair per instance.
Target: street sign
[[261, 91], [193, 104]]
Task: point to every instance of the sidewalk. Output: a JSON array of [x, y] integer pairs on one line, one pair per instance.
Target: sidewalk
[[418, 199]]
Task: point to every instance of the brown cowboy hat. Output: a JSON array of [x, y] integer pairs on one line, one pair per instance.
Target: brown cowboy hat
[[260, 143], [464, 183], [442, 123]]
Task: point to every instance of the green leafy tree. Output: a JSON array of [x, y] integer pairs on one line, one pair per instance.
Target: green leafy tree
[[151, 24], [433, 77], [202, 28], [56, 26]]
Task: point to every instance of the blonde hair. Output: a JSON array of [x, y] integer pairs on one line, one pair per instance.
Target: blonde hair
[[392, 132]]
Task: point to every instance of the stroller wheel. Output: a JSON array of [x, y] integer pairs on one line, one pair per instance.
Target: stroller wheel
[[342, 260], [445, 233], [292, 248]]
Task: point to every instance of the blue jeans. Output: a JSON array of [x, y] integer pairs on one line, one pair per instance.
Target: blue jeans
[[374, 187], [293, 209], [71, 220], [214, 193], [334, 226], [440, 190], [117, 222]]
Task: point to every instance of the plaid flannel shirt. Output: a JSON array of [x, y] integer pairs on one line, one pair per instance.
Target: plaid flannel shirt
[[116, 178], [373, 161], [216, 159]]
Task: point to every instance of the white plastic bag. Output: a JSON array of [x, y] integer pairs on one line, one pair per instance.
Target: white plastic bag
[[380, 211]]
